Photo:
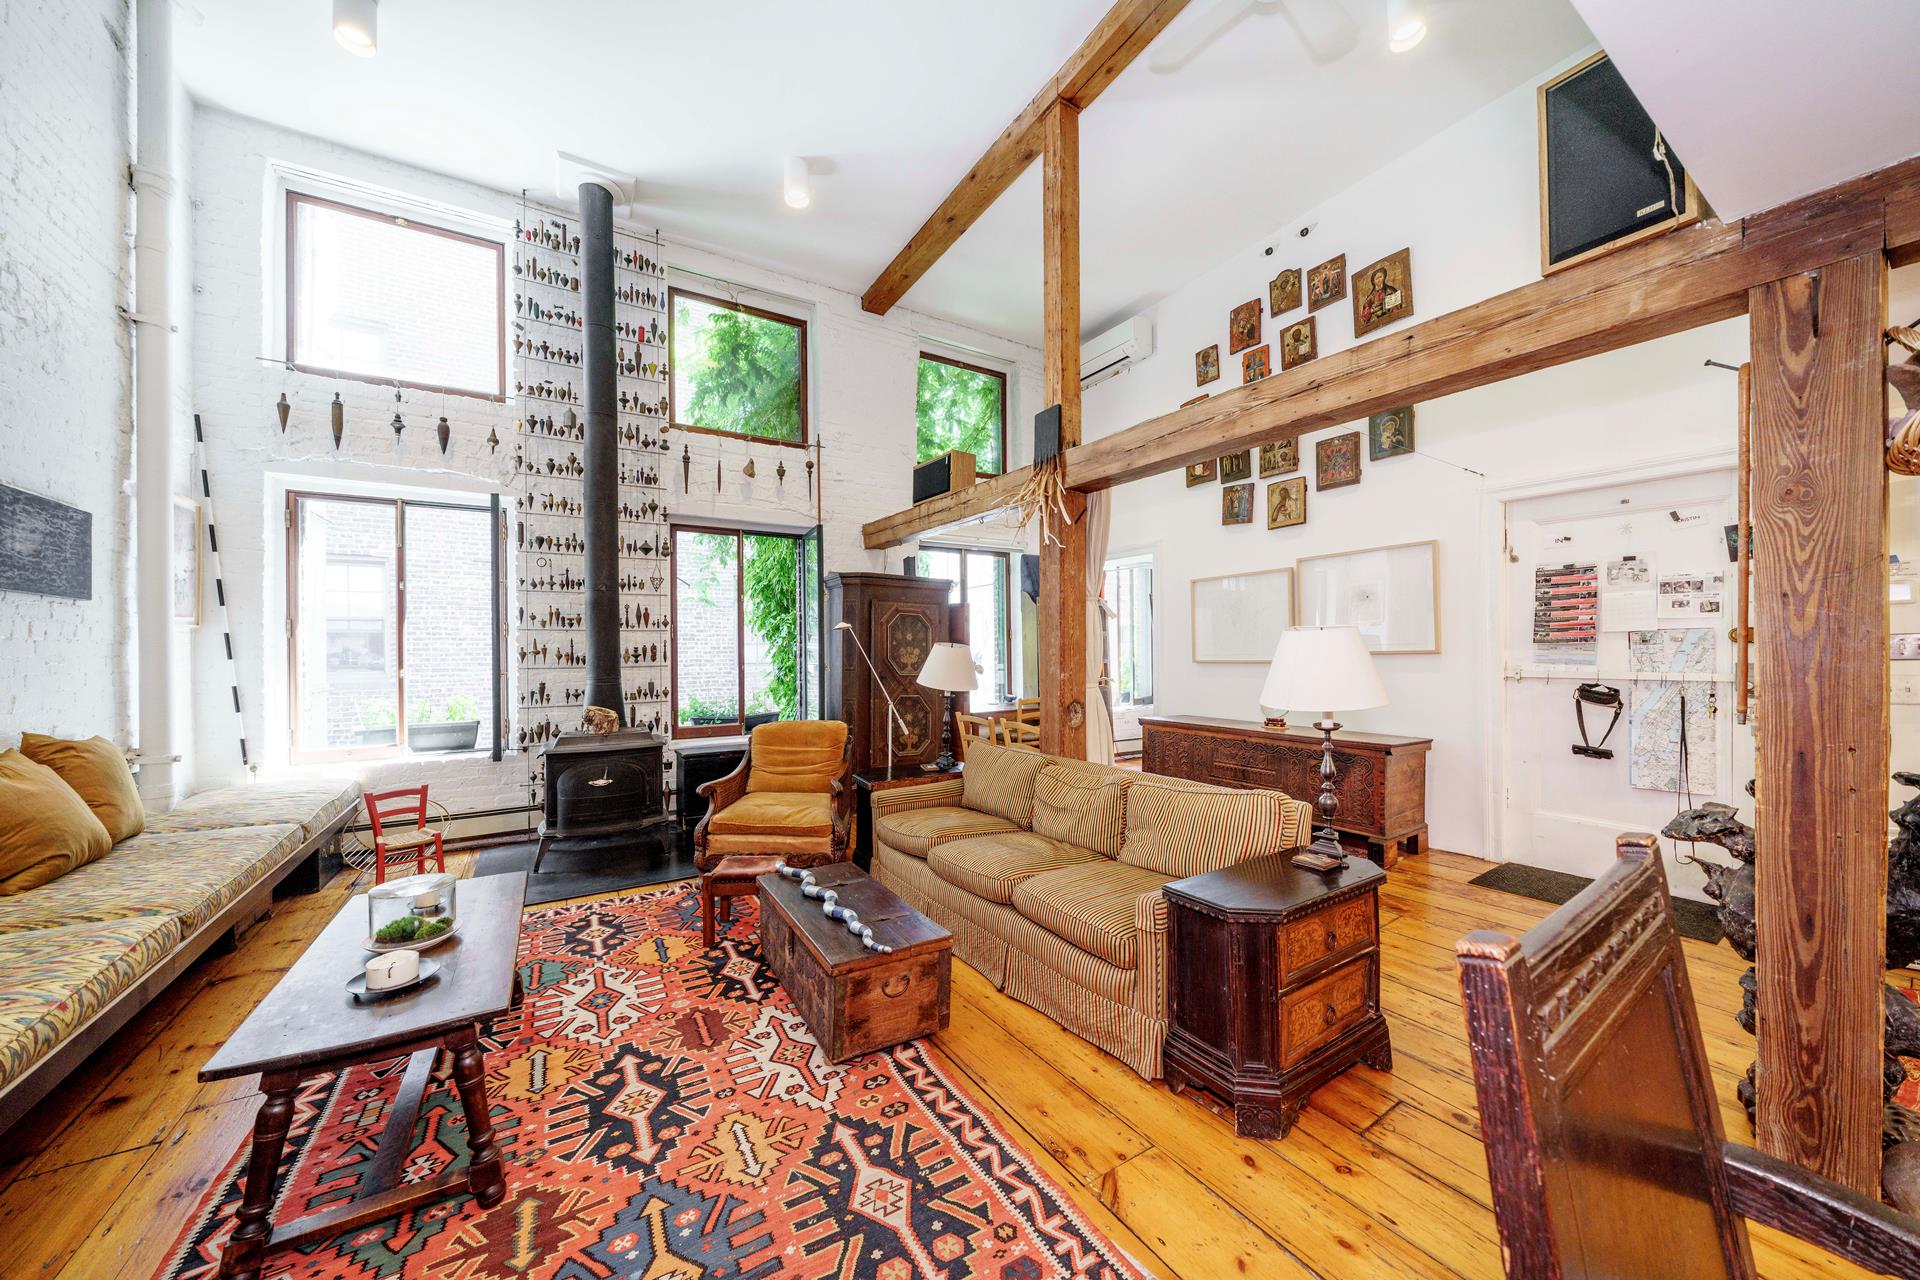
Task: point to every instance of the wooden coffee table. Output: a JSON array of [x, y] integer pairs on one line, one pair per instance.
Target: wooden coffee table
[[309, 1024]]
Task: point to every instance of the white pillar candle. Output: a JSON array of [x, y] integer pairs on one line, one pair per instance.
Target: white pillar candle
[[393, 969]]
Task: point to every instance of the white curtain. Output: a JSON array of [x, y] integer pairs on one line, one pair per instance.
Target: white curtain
[[1099, 520]]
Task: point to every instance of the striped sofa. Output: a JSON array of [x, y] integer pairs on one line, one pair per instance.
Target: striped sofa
[[1048, 874]]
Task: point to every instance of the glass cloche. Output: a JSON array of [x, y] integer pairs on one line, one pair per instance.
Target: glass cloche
[[411, 911]]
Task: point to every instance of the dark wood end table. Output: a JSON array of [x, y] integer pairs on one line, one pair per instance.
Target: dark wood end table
[[309, 1024], [1275, 985], [867, 782]]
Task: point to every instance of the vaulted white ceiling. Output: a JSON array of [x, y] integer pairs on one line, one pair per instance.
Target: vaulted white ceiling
[[891, 101]]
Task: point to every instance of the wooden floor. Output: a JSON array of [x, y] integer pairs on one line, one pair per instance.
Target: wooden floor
[[1384, 1176]]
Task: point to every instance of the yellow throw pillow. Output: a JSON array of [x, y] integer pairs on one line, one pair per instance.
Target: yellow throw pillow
[[46, 829], [98, 771]]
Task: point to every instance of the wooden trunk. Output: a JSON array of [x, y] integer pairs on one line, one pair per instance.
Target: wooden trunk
[[856, 1000], [899, 620], [1382, 782]]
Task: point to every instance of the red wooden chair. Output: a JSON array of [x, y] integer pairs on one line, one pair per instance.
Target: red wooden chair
[[407, 802]]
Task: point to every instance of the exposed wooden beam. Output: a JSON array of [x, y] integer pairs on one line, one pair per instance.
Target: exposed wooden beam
[[1063, 559], [1820, 618], [1116, 41]]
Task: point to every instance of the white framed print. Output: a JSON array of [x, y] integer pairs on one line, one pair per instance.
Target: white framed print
[[1238, 617], [1391, 594], [186, 561]]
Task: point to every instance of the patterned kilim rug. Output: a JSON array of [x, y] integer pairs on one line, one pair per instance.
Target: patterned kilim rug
[[664, 1112]]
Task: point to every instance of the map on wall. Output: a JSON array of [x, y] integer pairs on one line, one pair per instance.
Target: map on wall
[[1655, 717], [1671, 651]]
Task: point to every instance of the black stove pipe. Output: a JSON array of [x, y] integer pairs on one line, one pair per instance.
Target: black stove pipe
[[600, 452]]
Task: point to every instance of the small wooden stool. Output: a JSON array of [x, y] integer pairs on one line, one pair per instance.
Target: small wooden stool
[[732, 877]]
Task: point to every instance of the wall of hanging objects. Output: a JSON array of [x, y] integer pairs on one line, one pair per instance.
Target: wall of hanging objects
[[546, 345]]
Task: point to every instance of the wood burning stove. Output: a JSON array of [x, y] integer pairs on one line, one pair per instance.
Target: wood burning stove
[[602, 785]]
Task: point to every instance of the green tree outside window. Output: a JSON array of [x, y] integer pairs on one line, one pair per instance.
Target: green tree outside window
[[737, 371], [959, 407]]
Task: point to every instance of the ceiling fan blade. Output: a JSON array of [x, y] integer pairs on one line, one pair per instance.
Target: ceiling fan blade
[[1186, 43]]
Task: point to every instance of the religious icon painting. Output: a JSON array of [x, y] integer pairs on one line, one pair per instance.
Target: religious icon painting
[[1256, 364], [1327, 283], [1236, 504], [1287, 503], [1336, 461], [1390, 434], [1202, 472], [1235, 467], [1278, 459], [1243, 327], [1206, 365], [1283, 292], [1299, 343], [1383, 292]]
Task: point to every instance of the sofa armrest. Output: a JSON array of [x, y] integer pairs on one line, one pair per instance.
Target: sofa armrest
[[1153, 963], [1299, 827], [722, 792], [920, 795]]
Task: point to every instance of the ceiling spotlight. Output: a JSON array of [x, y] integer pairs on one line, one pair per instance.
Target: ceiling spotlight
[[1406, 25], [799, 190], [355, 23]]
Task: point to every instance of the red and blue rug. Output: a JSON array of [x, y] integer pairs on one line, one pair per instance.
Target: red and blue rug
[[665, 1113]]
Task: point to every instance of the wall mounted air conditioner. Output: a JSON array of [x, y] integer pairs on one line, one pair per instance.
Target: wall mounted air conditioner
[[1112, 352]]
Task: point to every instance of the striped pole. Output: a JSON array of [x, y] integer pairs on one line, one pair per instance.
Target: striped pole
[[220, 587]]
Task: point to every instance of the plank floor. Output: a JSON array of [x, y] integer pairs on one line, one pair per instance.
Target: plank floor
[[1384, 1175]]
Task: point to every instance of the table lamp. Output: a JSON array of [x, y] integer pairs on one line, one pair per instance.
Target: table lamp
[[1323, 667], [893, 713], [949, 668]]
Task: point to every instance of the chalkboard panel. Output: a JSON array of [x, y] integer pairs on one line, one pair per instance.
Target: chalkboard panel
[[1601, 183], [46, 547]]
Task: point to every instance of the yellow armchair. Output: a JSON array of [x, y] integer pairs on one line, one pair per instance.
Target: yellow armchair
[[791, 795]]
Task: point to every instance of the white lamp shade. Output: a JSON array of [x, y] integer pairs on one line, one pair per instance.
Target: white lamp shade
[[1322, 669], [949, 668]]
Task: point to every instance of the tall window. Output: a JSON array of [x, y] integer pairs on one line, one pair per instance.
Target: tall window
[[392, 625], [737, 370], [979, 581], [387, 299], [962, 406], [1128, 591], [746, 620]]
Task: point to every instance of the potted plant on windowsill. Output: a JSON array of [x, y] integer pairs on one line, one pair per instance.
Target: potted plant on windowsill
[[455, 728]]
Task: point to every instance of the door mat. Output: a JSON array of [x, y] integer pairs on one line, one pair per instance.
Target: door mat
[[580, 871], [1696, 920]]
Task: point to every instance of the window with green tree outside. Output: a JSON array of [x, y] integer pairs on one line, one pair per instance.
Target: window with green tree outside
[[737, 370], [962, 406]]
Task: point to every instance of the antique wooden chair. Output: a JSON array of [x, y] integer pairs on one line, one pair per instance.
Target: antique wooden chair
[[1603, 1136], [386, 807], [790, 795], [972, 728]]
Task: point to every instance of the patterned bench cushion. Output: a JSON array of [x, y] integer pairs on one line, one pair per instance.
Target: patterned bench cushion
[[916, 831], [311, 806], [990, 866], [1101, 908], [53, 980], [191, 874]]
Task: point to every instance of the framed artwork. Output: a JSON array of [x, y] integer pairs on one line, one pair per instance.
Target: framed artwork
[[1206, 365], [1279, 458], [1336, 461], [46, 546], [1327, 283], [1236, 504], [1187, 404], [1299, 343], [1392, 594], [1390, 434], [1256, 364], [1383, 292], [1201, 472], [1283, 292], [1239, 617], [1287, 503], [1235, 467], [1243, 327], [186, 562]]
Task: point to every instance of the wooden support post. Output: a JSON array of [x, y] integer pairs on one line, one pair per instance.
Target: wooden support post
[[1063, 567], [1820, 614]]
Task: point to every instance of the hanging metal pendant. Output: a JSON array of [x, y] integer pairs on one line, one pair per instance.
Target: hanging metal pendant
[[339, 412], [399, 424], [686, 469], [718, 486], [493, 440], [444, 432], [748, 469], [283, 409], [780, 474], [809, 479]]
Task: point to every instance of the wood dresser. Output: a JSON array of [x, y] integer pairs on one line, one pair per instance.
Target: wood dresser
[[1276, 985], [1382, 784]]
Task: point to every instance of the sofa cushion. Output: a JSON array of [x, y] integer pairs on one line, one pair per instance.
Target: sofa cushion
[[916, 831], [191, 874], [54, 980], [990, 866], [775, 813], [796, 755], [46, 829], [1082, 807], [98, 771], [999, 780], [312, 806], [1100, 908], [1183, 831]]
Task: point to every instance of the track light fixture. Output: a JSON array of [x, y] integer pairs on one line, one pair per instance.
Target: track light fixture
[[799, 186], [356, 25], [1406, 25]]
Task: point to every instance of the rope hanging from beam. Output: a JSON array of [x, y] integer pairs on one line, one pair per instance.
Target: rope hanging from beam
[[1044, 495]]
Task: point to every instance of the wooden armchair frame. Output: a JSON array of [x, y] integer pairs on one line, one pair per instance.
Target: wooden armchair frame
[[727, 790], [1603, 1136]]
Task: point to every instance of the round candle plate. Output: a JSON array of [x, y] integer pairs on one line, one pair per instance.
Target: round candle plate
[[418, 944], [357, 984]]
